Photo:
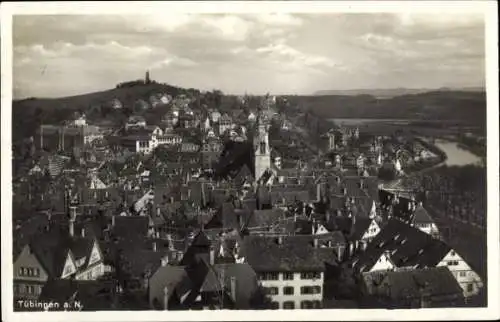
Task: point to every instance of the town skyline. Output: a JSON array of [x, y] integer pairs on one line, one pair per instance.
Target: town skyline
[[254, 53]]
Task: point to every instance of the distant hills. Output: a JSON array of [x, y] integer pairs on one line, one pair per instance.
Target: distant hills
[[392, 92], [468, 107]]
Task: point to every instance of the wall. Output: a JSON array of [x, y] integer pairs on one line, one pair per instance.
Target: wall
[[463, 273], [296, 283], [372, 231], [382, 264], [28, 260]]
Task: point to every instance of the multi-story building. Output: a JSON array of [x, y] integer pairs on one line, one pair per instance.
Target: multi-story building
[[56, 254], [401, 246], [225, 123], [290, 268], [77, 133]]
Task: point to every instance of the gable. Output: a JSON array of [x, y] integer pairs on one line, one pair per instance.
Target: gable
[[95, 255], [69, 267], [383, 263], [28, 260], [321, 230], [372, 230]]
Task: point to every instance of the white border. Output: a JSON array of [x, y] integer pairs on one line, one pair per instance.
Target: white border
[[488, 8]]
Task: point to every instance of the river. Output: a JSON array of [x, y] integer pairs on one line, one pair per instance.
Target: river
[[456, 156]]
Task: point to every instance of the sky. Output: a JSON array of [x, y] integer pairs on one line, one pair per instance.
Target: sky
[[57, 56]]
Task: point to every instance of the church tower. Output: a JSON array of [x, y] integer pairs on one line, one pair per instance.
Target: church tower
[[262, 155]]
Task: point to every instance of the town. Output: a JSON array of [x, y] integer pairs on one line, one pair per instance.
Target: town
[[178, 203]]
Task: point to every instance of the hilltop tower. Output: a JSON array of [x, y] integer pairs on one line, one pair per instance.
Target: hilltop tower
[[147, 80], [262, 156]]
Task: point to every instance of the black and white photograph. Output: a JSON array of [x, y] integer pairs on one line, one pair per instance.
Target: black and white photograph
[[283, 162]]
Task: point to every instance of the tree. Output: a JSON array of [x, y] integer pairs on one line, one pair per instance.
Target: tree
[[260, 300]]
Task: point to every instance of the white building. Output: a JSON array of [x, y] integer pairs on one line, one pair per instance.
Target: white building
[[423, 221], [290, 268], [401, 246], [468, 279]]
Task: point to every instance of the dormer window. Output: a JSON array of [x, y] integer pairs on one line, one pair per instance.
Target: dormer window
[[396, 237]]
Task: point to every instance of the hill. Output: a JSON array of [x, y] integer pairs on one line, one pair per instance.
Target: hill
[[27, 114], [392, 92]]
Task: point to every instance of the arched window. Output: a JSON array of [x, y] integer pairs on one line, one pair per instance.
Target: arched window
[[262, 147]]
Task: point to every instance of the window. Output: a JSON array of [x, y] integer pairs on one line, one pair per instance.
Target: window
[[289, 305], [271, 290], [269, 276], [310, 290], [316, 304], [462, 274], [306, 305], [275, 305], [470, 287], [288, 290], [288, 276], [452, 253], [310, 275], [452, 263]]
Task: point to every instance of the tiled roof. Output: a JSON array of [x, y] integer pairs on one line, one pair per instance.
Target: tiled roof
[[296, 253], [405, 245], [421, 216], [51, 249], [263, 218], [92, 295], [130, 227], [436, 281]]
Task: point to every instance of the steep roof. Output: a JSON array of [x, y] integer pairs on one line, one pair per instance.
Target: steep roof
[[405, 245], [295, 253], [93, 295], [436, 281], [265, 217], [130, 227], [421, 216]]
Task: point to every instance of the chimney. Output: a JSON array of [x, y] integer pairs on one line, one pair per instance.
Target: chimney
[[315, 242], [364, 244], [165, 298], [71, 228], [158, 211], [83, 232], [280, 240], [72, 218], [233, 288], [318, 192], [113, 220], [339, 252], [171, 199], [164, 261], [155, 247], [313, 227], [212, 255], [329, 243], [344, 191], [351, 248]]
